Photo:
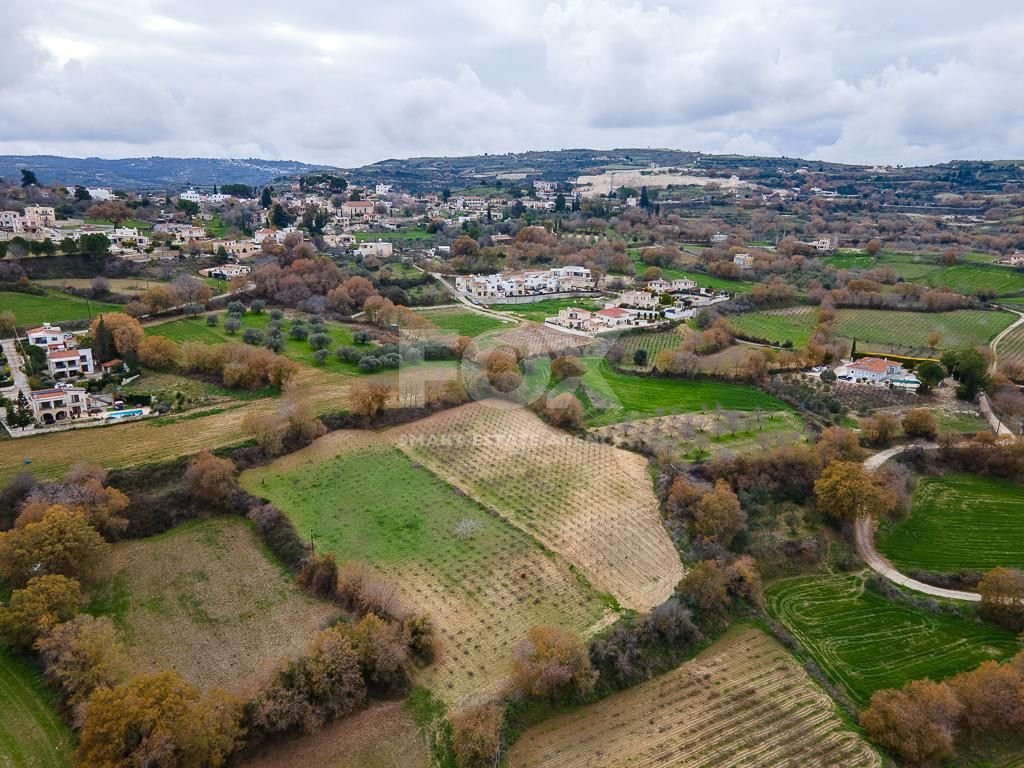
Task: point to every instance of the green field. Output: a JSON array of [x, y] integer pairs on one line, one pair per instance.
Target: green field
[[539, 310], [652, 341], [959, 523], [408, 234], [195, 329], [1011, 347], [976, 276], [610, 397], [865, 642], [31, 734], [55, 307], [463, 322], [880, 328]]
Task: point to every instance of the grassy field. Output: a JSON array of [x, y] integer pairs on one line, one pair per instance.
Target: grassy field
[[382, 736], [55, 307], [591, 503], [463, 322], [978, 275], [742, 702], [653, 342], [610, 397], [539, 310], [484, 581], [207, 600], [31, 733], [959, 523], [387, 237], [1011, 348], [875, 327], [864, 642], [195, 329]]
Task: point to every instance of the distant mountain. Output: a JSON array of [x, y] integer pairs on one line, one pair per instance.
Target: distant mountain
[[137, 173]]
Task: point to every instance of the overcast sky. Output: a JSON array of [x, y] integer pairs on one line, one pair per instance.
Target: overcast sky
[[347, 83]]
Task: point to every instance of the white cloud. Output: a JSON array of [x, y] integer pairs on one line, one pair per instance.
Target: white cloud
[[352, 83]]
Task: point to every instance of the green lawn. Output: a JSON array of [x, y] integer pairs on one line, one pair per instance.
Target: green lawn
[[408, 234], [865, 642], [610, 397], [958, 523], [195, 329], [539, 310], [133, 223], [885, 330], [55, 307], [463, 322], [31, 733]]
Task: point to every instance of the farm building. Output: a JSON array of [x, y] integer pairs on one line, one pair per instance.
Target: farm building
[[877, 370]]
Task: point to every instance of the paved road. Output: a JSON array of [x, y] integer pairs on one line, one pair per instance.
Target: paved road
[[986, 408], [14, 362], [865, 537]]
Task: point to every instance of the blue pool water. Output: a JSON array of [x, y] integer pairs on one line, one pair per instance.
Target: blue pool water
[[123, 414]]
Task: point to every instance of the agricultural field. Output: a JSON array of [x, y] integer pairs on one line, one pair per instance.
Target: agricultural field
[[873, 328], [406, 234], [484, 581], [610, 397], [592, 504], [865, 642], [117, 284], [195, 329], [140, 442], [538, 311], [31, 733], [533, 340], [1011, 346], [653, 342], [463, 322], [694, 436], [958, 523], [55, 307], [382, 736], [206, 600], [742, 702], [979, 275]]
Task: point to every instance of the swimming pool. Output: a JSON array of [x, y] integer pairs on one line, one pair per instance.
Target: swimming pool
[[123, 414]]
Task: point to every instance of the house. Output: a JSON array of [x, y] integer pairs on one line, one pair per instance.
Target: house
[[379, 249], [612, 317], [339, 241], [743, 260], [357, 208], [822, 245], [1015, 259], [876, 370], [128, 236], [678, 285], [51, 406], [226, 271], [382, 189], [719, 237], [500, 239], [572, 317], [12, 221], [545, 188], [191, 196], [47, 336], [640, 299], [68, 363], [40, 216], [100, 194]]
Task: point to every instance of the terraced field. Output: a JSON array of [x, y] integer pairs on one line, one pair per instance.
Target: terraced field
[[742, 702], [31, 733], [865, 643], [589, 502], [959, 523], [874, 327], [206, 600], [484, 581]]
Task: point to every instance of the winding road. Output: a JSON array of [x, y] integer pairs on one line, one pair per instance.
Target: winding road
[[864, 533]]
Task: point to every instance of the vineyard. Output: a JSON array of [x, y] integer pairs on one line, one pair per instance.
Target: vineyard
[[484, 582], [591, 503], [865, 642], [968, 279], [873, 328], [699, 435], [742, 702], [1011, 346], [959, 523], [206, 600], [31, 733]]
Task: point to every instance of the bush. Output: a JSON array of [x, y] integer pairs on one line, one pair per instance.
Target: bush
[[298, 332], [320, 575], [212, 480], [159, 353], [369, 363], [232, 324], [920, 422], [212, 320], [476, 734], [80, 656], [45, 602], [258, 306], [253, 336], [319, 341], [236, 308], [276, 314], [320, 356], [552, 663]]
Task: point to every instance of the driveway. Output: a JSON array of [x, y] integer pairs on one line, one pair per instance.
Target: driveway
[[14, 361], [864, 533]]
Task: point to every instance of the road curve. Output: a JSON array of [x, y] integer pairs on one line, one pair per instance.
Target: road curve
[[864, 533]]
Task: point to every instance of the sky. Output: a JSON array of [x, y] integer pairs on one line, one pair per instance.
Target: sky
[[347, 83]]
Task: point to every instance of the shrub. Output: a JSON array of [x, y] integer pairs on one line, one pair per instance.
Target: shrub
[[920, 422], [320, 575], [320, 357], [276, 314], [211, 480], [476, 734], [257, 306], [212, 320], [159, 353], [80, 656], [916, 721], [62, 543], [42, 604], [319, 341], [552, 663], [236, 308], [253, 336], [299, 332], [381, 651], [232, 324]]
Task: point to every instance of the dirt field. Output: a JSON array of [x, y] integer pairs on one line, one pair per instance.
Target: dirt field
[[484, 581], [742, 702], [205, 600], [383, 736], [591, 503], [535, 340]]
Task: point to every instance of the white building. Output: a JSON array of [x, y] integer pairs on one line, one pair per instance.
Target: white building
[[679, 285], [12, 221], [572, 317], [743, 260], [545, 188], [380, 249], [191, 196], [128, 236], [101, 194], [357, 208], [226, 271], [876, 370], [47, 336], [382, 189], [69, 363], [639, 299], [40, 216], [51, 406], [822, 245]]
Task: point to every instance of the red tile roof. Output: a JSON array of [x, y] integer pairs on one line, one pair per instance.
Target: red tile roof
[[873, 364], [63, 354], [613, 312]]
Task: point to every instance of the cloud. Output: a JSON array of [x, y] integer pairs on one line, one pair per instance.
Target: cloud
[[353, 83]]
